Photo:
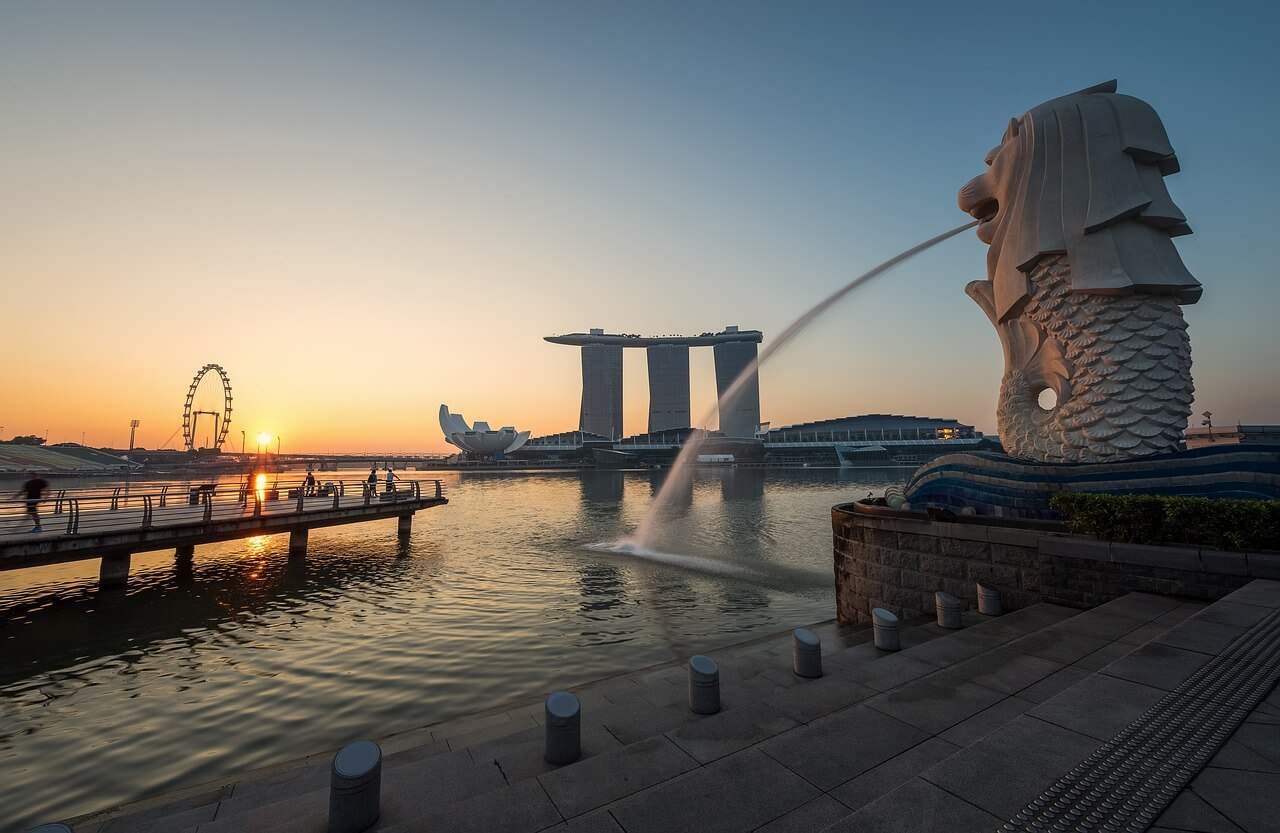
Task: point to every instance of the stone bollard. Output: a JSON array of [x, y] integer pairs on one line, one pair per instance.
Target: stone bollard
[[355, 787], [564, 728], [52, 827], [704, 685], [885, 625], [948, 610], [989, 601], [806, 654]]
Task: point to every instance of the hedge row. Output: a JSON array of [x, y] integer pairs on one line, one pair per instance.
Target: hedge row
[[1159, 519]]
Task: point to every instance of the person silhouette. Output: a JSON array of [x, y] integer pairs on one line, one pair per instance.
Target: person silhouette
[[34, 489]]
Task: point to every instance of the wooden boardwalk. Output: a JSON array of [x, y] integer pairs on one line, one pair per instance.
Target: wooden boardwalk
[[111, 526]]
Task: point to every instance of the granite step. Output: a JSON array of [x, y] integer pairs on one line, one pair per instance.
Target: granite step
[[1156, 647]]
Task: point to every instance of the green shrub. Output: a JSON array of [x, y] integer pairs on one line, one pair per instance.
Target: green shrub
[[1161, 519]]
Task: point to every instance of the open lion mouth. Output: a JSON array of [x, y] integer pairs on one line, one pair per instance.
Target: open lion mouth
[[985, 211]]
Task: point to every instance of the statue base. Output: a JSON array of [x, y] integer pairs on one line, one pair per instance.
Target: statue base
[[996, 485]]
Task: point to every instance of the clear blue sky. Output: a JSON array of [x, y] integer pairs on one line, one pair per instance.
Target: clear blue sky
[[231, 178]]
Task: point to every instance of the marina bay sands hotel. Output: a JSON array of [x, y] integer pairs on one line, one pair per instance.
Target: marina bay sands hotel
[[601, 414]]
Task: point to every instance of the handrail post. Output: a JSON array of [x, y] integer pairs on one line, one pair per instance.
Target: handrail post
[[417, 490], [367, 492], [73, 516], [164, 496], [115, 499], [208, 507], [146, 511], [342, 489], [438, 494], [336, 497], [57, 504], [257, 504], [301, 498]]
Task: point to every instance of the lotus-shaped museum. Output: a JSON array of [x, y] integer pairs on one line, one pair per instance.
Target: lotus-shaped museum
[[480, 438]]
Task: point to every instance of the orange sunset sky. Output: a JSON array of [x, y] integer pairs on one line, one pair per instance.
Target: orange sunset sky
[[364, 216]]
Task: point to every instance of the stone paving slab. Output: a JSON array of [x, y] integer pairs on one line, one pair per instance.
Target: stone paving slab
[[191, 809], [880, 670], [935, 705], [1263, 739], [166, 821], [1009, 767], [815, 698], [970, 731], [1098, 706], [815, 815], [601, 822], [739, 793], [1234, 614], [590, 784], [1144, 607], [1203, 636], [519, 808], [1157, 665], [1101, 624], [1104, 656], [1054, 684], [920, 807], [519, 756], [1005, 670], [893, 773], [1191, 812], [1251, 800], [1060, 645], [630, 723], [1257, 592], [1181, 613], [833, 749], [731, 730]]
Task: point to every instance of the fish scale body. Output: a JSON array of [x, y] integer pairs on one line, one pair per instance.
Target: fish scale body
[[1125, 373]]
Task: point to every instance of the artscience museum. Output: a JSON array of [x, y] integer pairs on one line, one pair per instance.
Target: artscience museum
[[479, 439]]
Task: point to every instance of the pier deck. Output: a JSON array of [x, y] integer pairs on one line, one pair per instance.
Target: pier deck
[[85, 524]]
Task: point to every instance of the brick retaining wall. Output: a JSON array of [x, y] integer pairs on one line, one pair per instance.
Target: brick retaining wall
[[897, 560]]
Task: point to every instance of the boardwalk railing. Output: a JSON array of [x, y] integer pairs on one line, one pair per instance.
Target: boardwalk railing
[[77, 511]]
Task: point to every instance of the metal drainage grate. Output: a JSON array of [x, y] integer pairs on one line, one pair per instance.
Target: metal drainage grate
[[1128, 781]]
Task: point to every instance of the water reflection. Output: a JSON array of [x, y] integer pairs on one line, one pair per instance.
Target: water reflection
[[742, 484]]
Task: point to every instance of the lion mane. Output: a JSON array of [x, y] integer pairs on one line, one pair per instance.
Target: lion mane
[[1090, 185]]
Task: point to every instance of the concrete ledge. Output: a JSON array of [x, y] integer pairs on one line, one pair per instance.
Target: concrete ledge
[[897, 560]]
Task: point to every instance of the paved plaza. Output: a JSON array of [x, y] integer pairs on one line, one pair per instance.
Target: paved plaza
[[959, 731]]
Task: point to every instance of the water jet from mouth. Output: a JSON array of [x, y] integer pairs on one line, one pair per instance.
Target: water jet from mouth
[[645, 536]]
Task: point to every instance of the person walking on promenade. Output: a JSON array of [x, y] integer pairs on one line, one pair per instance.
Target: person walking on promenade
[[391, 479], [310, 488], [34, 489], [373, 480]]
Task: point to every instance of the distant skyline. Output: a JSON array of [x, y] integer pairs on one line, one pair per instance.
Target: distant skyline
[[363, 211]]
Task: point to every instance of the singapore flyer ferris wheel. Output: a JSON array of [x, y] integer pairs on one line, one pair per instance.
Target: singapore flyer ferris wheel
[[221, 419]]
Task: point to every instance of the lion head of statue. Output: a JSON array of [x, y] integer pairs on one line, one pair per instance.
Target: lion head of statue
[[1082, 175]]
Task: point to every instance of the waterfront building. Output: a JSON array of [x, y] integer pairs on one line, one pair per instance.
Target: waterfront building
[[480, 440], [668, 356], [870, 440]]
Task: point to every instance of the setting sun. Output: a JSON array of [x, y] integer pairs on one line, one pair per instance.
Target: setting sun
[[264, 438], [260, 482]]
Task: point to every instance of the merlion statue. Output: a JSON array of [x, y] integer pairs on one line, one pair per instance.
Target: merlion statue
[[1084, 284]]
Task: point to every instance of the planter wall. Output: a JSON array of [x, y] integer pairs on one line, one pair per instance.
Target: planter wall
[[897, 560]]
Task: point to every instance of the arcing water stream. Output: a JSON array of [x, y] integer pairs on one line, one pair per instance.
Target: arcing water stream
[[641, 542]]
